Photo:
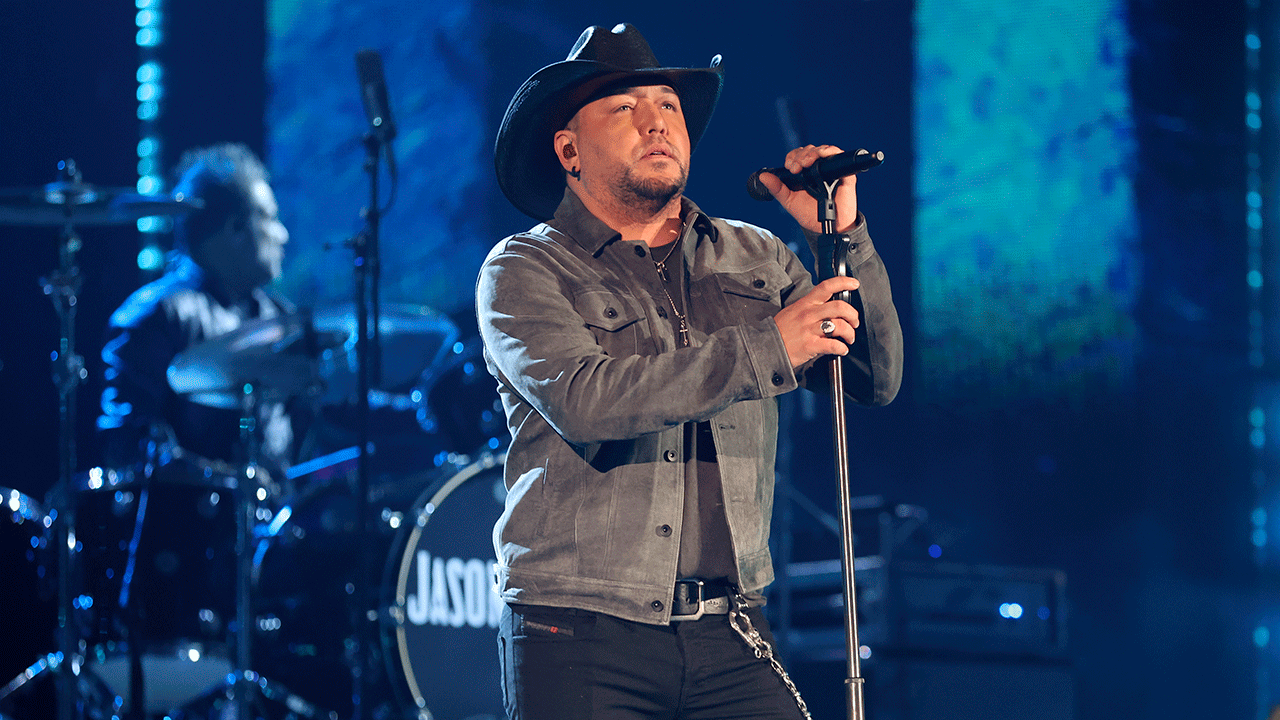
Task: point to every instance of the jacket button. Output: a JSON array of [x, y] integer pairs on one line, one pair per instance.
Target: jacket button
[[639, 251], [662, 312], [610, 313], [757, 283], [664, 530], [656, 605], [777, 379], [669, 455]]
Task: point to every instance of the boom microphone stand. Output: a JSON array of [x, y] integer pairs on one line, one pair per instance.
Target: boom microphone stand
[[373, 93]]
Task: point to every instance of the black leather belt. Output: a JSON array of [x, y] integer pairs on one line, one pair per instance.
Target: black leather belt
[[694, 598]]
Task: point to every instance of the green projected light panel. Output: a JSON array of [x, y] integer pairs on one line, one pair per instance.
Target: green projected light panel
[[1025, 233]]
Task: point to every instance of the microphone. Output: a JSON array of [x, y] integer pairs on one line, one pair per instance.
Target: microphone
[[373, 91], [827, 169]]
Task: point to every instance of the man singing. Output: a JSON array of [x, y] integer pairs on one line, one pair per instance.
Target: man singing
[[639, 347]]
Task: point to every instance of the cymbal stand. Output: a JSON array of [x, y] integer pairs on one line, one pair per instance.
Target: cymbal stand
[[243, 690], [62, 286], [832, 261], [248, 689]]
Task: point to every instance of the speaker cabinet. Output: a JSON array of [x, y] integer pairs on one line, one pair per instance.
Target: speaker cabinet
[[942, 688]]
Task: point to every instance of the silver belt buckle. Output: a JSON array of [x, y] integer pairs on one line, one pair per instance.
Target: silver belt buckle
[[701, 602]]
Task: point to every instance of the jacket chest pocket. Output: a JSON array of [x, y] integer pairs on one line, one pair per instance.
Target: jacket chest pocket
[[753, 294], [615, 324]]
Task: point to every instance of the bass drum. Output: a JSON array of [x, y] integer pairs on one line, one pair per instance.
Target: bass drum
[[442, 645], [436, 653]]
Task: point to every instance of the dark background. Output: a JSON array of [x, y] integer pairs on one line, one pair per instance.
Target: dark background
[[1143, 500]]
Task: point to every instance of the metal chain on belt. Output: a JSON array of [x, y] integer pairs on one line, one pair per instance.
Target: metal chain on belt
[[742, 625]]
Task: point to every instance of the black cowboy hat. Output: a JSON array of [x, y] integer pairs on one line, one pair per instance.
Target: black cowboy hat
[[528, 172]]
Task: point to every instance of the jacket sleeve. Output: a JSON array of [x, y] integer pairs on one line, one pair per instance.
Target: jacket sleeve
[[873, 367], [136, 392], [541, 349]]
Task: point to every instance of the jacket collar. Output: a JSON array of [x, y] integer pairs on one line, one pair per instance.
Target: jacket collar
[[573, 219]]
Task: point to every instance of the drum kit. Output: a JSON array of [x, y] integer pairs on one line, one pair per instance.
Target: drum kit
[[186, 588]]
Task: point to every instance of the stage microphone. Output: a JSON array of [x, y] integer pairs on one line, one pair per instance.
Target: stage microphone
[[373, 91], [827, 169]]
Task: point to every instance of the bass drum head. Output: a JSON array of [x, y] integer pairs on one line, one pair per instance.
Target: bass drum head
[[442, 648]]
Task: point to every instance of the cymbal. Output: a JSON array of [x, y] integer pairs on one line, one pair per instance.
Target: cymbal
[[309, 353], [77, 203], [412, 338], [277, 354]]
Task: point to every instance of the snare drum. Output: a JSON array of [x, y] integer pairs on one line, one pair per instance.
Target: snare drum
[[436, 647]]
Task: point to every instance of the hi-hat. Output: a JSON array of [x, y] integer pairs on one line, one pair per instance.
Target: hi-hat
[[69, 202]]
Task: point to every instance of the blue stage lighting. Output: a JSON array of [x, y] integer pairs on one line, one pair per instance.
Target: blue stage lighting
[[150, 257]]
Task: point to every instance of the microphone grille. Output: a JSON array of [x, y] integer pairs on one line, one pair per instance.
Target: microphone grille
[[756, 189]]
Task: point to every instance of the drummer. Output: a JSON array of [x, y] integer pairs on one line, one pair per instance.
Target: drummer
[[224, 255]]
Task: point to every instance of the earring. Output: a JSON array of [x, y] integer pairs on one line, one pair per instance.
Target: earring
[[575, 173], [569, 152]]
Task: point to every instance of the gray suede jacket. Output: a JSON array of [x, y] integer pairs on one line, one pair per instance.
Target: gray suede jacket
[[596, 388]]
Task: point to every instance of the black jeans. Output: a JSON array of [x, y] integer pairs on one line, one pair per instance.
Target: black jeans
[[564, 664]]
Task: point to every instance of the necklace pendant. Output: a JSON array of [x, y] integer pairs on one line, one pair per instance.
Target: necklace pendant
[[684, 333], [662, 271]]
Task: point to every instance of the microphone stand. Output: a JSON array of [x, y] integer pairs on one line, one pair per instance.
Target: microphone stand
[[367, 358], [832, 261]]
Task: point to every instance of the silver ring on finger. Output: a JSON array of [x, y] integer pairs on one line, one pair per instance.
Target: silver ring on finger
[[828, 327]]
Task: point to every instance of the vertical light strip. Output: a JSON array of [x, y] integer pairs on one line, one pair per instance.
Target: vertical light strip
[[150, 103], [1264, 456]]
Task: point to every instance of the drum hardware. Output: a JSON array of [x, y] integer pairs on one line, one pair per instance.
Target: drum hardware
[[244, 686], [66, 203], [70, 200], [413, 339], [298, 355], [269, 359], [151, 593], [24, 537], [311, 355]]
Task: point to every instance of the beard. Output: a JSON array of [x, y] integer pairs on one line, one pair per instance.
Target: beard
[[648, 196]]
